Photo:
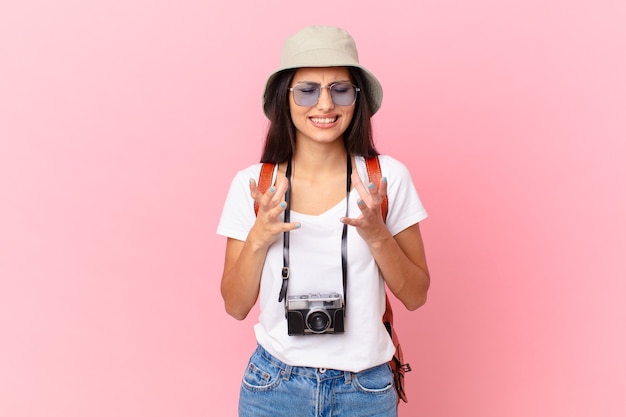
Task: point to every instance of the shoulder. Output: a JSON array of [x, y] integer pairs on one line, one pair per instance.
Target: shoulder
[[389, 166], [245, 174], [253, 169], [389, 162]]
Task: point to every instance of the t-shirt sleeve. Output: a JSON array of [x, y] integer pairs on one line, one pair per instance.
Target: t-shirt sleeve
[[405, 206], [238, 213]]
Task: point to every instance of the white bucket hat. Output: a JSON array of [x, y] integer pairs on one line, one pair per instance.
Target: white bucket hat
[[325, 46]]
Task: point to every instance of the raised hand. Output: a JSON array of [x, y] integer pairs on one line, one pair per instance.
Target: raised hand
[[369, 224], [268, 225]]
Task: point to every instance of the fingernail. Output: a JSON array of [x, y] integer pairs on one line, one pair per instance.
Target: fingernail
[[251, 181], [272, 189], [371, 185], [384, 179], [359, 202], [283, 204], [298, 225]]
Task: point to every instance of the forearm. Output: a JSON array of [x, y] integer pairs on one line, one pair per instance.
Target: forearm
[[406, 276], [242, 277]]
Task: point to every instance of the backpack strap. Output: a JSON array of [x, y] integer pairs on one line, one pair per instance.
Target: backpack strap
[[398, 366], [374, 174], [265, 180]]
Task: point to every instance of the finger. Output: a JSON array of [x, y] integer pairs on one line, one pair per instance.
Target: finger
[[254, 191], [358, 184], [272, 197], [275, 214], [282, 185], [276, 210], [256, 194], [351, 221], [382, 187], [275, 197], [374, 189], [264, 200], [364, 195], [293, 226]]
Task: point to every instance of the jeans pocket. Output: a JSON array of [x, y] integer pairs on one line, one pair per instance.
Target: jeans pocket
[[376, 380], [261, 375]]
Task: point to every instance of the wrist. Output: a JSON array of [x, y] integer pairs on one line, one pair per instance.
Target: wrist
[[256, 242], [381, 240]]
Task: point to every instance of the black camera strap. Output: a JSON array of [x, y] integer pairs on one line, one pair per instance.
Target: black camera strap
[[344, 236], [285, 273]]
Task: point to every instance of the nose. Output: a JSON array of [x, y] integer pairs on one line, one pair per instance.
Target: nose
[[325, 101]]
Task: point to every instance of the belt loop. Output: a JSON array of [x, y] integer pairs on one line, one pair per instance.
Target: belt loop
[[347, 376], [286, 373]]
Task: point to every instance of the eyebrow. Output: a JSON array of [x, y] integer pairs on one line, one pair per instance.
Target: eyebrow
[[315, 82]]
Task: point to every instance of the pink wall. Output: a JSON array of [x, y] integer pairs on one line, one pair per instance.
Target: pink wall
[[123, 121]]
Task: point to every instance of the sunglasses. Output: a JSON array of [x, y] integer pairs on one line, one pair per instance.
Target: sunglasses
[[308, 93]]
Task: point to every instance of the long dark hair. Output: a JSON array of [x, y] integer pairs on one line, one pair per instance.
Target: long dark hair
[[280, 141]]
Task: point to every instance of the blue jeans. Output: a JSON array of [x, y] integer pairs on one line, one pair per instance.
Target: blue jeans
[[271, 388]]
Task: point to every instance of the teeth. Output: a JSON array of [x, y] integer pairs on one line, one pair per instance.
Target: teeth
[[323, 120]]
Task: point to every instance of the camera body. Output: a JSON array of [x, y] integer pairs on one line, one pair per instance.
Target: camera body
[[315, 314]]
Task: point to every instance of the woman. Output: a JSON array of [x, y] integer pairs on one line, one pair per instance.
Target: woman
[[318, 253]]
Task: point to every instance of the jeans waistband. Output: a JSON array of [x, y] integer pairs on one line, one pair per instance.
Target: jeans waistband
[[304, 371]]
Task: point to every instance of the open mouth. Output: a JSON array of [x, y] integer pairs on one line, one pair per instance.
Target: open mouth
[[324, 120]]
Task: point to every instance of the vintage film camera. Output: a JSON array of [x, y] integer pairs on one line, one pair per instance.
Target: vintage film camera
[[315, 314]]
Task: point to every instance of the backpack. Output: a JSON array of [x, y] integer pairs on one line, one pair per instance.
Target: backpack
[[398, 367]]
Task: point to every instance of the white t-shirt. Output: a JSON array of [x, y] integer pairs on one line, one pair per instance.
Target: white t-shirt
[[315, 267]]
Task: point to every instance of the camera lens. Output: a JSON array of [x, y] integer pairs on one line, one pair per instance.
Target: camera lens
[[318, 320]]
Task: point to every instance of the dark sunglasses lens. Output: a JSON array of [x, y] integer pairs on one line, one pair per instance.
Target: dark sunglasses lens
[[306, 94], [343, 94]]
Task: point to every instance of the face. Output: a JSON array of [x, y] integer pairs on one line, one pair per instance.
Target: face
[[324, 121]]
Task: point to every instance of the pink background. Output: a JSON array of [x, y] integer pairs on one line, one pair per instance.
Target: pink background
[[122, 123]]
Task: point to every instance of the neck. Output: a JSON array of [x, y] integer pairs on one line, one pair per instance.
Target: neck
[[320, 159]]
